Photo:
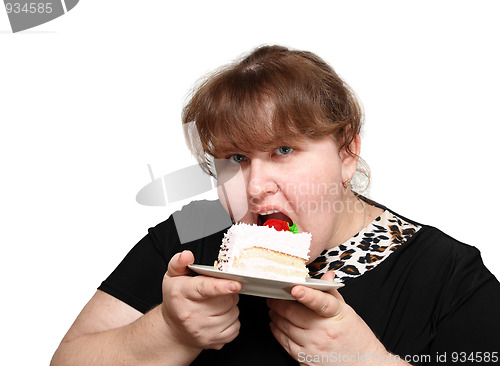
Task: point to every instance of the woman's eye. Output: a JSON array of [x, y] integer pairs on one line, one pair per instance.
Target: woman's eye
[[237, 158], [284, 150]]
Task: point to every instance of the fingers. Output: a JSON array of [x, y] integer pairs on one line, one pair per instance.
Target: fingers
[[297, 315], [296, 333], [322, 303], [326, 304], [283, 338], [201, 310], [206, 287], [227, 335], [232, 321], [178, 264]]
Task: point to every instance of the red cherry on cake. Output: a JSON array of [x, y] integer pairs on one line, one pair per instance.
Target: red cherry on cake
[[277, 224]]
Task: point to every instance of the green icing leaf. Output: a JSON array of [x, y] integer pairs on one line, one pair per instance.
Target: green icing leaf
[[294, 229]]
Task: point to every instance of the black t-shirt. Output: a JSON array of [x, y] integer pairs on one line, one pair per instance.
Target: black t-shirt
[[433, 300]]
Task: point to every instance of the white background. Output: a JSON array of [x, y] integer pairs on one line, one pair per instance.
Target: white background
[[91, 98]]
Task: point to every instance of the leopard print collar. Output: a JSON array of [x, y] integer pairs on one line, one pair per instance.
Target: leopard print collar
[[365, 250]]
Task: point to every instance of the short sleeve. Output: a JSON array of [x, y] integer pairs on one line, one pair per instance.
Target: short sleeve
[[138, 278]]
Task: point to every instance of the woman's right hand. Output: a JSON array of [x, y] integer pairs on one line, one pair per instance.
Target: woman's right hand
[[200, 311]]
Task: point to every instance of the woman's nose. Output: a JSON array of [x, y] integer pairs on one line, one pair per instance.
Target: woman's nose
[[261, 179]]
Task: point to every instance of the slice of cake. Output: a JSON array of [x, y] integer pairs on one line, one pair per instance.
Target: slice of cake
[[270, 251]]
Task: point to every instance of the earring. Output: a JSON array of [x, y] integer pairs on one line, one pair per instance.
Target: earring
[[346, 183]]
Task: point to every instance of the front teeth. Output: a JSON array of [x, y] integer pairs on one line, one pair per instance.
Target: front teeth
[[268, 212]]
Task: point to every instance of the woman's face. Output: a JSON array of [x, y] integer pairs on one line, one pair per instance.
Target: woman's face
[[301, 183]]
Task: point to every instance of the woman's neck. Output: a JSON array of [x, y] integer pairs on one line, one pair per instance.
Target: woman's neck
[[357, 214]]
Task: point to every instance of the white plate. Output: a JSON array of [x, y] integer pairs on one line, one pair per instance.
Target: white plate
[[264, 287]]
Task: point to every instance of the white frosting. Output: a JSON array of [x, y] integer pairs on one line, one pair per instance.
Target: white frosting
[[241, 236]]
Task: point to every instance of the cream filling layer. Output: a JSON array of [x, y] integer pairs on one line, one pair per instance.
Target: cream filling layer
[[263, 267]]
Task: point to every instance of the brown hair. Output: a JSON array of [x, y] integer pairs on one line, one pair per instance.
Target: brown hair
[[270, 98]]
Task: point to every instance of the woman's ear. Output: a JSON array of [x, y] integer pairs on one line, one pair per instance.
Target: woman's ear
[[349, 156]]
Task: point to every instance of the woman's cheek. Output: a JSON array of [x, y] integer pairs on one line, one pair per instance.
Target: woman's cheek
[[319, 219]]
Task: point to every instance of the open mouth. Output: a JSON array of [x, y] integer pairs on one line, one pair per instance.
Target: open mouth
[[277, 215]]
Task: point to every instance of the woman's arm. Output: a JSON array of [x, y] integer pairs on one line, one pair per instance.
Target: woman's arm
[[110, 332], [197, 313]]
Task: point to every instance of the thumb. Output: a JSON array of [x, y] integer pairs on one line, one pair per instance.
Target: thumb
[[330, 277], [178, 264]]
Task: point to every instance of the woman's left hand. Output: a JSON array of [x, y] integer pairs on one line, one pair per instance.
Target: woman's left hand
[[320, 328]]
